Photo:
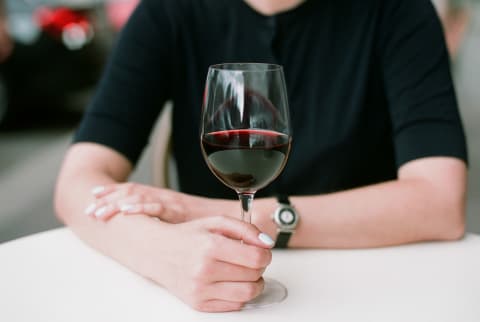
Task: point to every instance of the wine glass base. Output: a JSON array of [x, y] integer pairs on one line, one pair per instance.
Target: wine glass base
[[273, 293]]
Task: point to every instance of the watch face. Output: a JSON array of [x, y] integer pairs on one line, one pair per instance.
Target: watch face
[[287, 217]]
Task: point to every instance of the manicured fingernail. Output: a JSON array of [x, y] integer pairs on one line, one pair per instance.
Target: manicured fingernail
[[89, 210], [100, 212], [98, 189], [126, 208], [267, 240]]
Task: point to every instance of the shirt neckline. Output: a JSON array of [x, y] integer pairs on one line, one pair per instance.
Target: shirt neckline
[[290, 12]]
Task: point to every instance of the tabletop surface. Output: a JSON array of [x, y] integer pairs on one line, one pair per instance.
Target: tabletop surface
[[53, 276]]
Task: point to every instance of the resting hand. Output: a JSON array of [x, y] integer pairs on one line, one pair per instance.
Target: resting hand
[[207, 267], [132, 198]]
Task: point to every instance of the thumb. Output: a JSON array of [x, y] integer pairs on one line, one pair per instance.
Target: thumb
[[240, 230]]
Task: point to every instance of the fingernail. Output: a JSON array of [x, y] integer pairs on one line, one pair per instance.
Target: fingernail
[[90, 209], [126, 208], [267, 240], [100, 212], [98, 189]]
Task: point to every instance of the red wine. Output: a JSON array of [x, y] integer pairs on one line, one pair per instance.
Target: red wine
[[246, 160]]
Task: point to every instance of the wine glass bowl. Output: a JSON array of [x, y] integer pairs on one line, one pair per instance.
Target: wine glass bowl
[[245, 130], [246, 160]]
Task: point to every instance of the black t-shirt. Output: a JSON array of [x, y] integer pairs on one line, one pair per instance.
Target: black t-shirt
[[368, 83]]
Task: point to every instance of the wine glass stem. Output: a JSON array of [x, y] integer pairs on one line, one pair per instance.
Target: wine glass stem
[[246, 200]]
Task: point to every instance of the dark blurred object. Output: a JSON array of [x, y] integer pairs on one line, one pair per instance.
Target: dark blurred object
[[6, 44], [59, 52]]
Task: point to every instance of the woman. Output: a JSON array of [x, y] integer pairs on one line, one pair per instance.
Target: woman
[[378, 156]]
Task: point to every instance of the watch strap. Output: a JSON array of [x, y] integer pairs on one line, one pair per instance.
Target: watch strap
[[283, 236], [282, 239], [282, 198]]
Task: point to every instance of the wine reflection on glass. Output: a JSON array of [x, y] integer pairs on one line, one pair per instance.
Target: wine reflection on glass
[[246, 136]]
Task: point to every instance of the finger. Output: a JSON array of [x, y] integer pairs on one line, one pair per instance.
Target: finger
[[235, 252], [234, 273], [116, 203], [90, 209], [236, 291], [110, 204], [96, 208], [112, 194], [123, 189], [215, 306], [106, 212], [103, 209], [227, 272], [151, 209], [123, 194], [240, 230], [101, 191], [93, 208], [157, 210]]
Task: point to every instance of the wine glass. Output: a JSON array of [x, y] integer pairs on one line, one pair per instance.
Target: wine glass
[[246, 136]]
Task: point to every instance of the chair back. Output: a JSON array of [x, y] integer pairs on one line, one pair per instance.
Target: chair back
[[163, 164]]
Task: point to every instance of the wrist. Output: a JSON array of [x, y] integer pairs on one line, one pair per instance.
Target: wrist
[[202, 207], [152, 254]]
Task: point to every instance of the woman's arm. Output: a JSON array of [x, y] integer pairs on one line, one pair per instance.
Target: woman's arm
[[427, 202], [201, 261]]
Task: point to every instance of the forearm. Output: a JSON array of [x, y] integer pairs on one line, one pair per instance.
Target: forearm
[[208, 279], [426, 202], [118, 238], [390, 213]]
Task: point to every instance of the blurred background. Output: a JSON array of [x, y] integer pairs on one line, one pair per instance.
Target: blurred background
[[51, 55]]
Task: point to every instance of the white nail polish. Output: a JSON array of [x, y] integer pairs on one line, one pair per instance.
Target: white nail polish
[[126, 208], [267, 240], [100, 212], [98, 189], [90, 209]]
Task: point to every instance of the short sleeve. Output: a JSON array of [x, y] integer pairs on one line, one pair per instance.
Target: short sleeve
[[418, 83], [134, 85]]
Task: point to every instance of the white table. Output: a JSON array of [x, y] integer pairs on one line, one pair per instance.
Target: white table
[[53, 276]]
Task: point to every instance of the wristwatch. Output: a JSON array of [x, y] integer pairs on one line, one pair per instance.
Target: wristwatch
[[286, 219]]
